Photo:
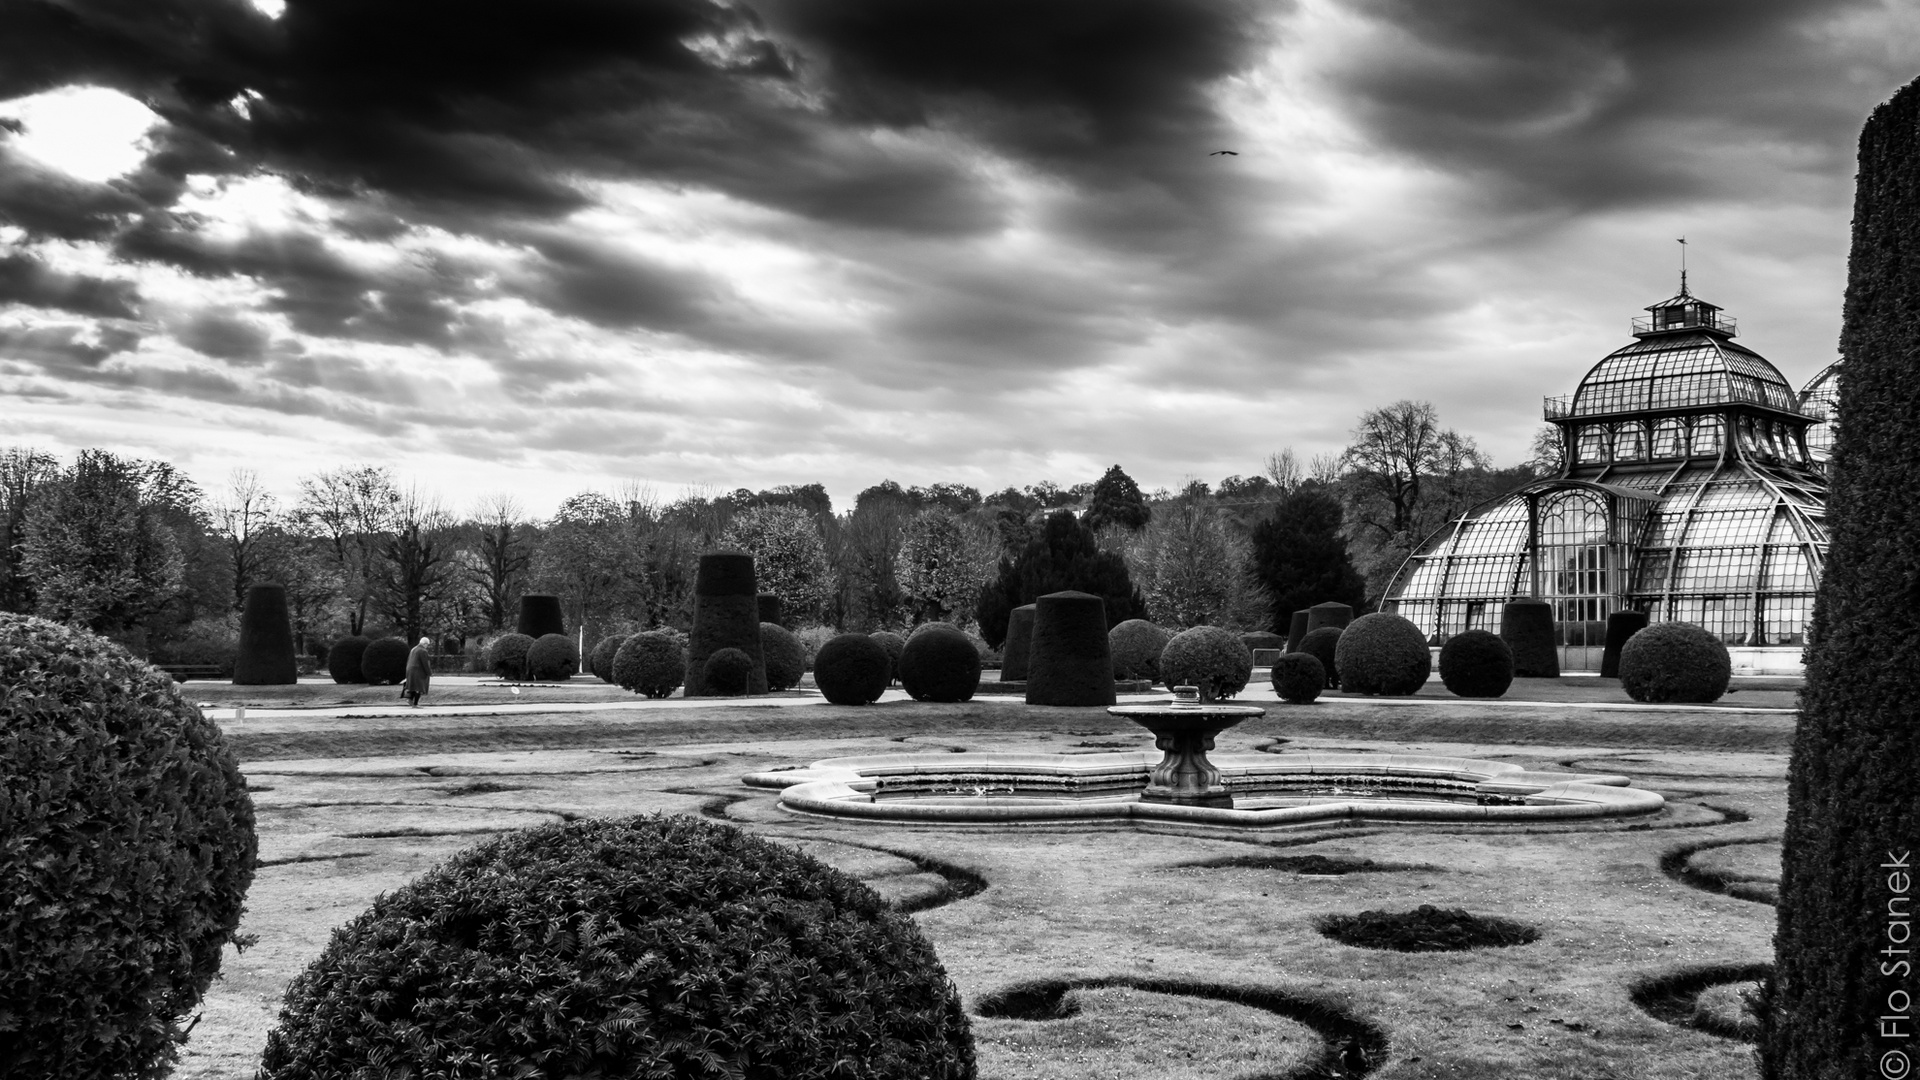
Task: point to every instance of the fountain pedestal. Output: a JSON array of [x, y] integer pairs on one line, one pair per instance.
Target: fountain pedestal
[[1184, 730]]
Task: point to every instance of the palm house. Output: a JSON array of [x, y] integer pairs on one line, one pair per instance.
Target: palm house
[[1819, 400], [1690, 491]]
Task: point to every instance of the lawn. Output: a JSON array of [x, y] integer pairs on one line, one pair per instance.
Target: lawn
[[1158, 945]]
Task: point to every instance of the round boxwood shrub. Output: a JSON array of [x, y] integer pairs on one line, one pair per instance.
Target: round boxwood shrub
[[1137, 645], [1675, 661], [343, 659], [385, 661], [507, 656], [1475, 663], [894, 644], [786, 657], [853, 669], [728, 673], [939, 664], [649, 946], [552, 658], [1323, 644], [653, 663], [1298, 677], [1209, 657], [127, 846], [1382, 654], [936, 625], [600, 658]]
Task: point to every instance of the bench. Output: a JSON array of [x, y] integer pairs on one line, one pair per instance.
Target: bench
[[183, 672]]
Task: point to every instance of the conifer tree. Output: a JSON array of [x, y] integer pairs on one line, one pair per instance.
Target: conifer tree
[[1843, 958], [1117, 501], [1300, 556], [1064, 557]]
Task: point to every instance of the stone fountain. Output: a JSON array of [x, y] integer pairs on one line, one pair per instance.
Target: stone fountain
[[1183, 731]]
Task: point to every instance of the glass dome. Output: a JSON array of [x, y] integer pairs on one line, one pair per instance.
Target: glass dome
[[1688, 494], [1820, 400]]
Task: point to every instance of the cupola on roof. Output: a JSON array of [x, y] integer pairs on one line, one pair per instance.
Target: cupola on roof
[[1684, 357]]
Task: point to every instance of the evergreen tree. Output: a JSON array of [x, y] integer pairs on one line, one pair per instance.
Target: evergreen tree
[[1064, 556], [98, 548], [1300, 555], [1845, 914], [1117, 501]]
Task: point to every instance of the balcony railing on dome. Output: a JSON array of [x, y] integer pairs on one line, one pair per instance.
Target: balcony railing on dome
[[1686, 317], [1559, 408]]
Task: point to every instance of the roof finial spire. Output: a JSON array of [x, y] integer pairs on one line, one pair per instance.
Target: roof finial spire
[[1683, 266]]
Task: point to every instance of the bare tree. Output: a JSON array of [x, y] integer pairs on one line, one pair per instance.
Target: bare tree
[[416, 560], [504, 553], [246, 520], [352, 508], [1283, 468], [1398, 449]]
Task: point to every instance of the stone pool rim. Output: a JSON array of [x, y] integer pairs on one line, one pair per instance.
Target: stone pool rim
[[843, 787]]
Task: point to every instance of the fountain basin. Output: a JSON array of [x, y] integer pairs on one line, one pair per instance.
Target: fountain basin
[[1183, 731], [1269, 790]]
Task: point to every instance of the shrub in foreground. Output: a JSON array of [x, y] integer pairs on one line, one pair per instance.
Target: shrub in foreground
[[1323, 644], [1298, 678], [552, 658], [1137, 645], [626, 948], [727, 673], [1476, 663], [1675, 661], [939, 664], [1209, 657], [126, 846], [786, 657], [343, 659], [653, 663], [385, 661], [507, 656], [852, 669]]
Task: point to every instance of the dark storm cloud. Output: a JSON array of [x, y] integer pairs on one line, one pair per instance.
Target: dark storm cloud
[[225, 337], [64, 350], [615, 286], [1594, 103], [51, 204], [24, 279]]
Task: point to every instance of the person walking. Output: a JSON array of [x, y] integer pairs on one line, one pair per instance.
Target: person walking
[[419, 674]]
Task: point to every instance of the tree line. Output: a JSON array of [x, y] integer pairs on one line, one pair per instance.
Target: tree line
[[138, 551]]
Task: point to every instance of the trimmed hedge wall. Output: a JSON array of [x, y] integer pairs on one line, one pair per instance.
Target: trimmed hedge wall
[[1328, 614], [129, 848], [651, 946], [852, 669], [1382, 654], [265, 656], [1477, 664], [1297, 629]]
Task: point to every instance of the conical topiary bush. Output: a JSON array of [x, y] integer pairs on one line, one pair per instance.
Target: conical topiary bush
[[540, 615], [266, 656], [726, 615]]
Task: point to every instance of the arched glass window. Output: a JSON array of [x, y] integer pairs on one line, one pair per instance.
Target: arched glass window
[[1593, 444], [1708, 433], [1670, 438], [1630, 443], [1749, 433]]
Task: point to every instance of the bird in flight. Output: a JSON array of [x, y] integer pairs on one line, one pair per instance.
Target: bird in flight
[[1217, 153]]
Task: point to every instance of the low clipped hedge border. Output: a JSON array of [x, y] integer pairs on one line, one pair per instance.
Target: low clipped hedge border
[[650, 946]]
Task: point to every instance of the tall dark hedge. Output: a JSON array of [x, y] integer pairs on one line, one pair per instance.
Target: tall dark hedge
[[266, 656], [1065, 557], [1851, 808], [769, 604], [539, 616], [1621, 625], [1300, 555], [726, 615], [1017, 649], [1297, 629], [1072, 663], [645, 947], [127, 846], [1527, 628]]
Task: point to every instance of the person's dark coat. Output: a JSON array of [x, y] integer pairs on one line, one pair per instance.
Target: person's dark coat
[[419, 672]]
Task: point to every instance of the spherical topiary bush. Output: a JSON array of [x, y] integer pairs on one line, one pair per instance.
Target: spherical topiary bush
[[939, 665], [540, 615], [553, 658], [1323, 644], [652, 946], [126, 849], [786, 657], [1298, 677], [343, 659], [1382, 654], [1209, 657], [1137, 645], [507, 656], [653, 663], [852, 669], [600, 659], [1475, 663], [728, 672], [895, 644], [932, 626], [385, 661], [1675, 661]]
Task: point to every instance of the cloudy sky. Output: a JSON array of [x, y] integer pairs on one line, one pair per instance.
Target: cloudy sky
[[550, 245]]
